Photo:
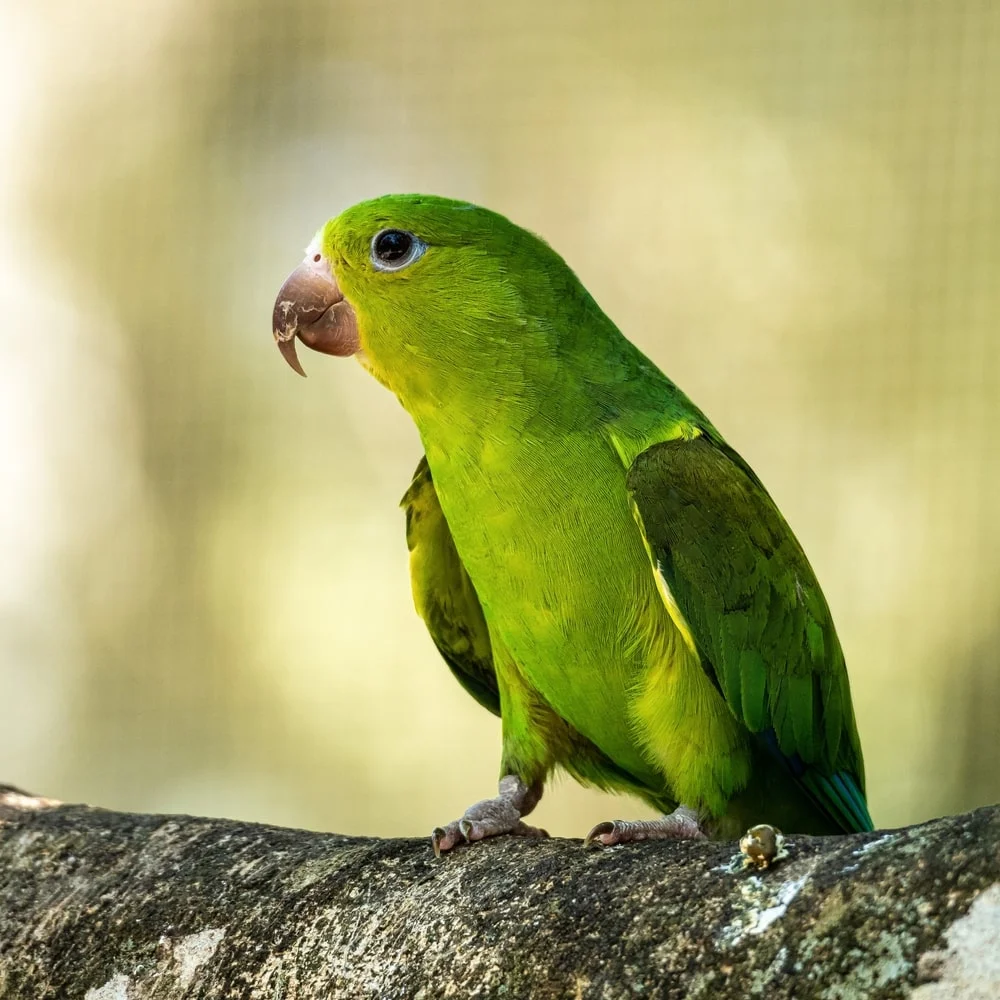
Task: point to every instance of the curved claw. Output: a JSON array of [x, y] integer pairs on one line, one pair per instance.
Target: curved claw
[[441, 840], [436, 835], [609, 827], [599, 831]]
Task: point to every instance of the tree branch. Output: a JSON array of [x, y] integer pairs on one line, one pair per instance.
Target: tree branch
[[115, 906]]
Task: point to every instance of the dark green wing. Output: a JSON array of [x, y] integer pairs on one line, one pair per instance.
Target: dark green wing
[[443, 593], [755, 610]]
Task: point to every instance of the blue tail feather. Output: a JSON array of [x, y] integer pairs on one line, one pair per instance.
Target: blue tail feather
[[838, 795]]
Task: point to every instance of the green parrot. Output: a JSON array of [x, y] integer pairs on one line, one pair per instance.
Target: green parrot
[[595, 564]]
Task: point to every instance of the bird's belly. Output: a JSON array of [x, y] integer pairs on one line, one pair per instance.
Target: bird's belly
[[567, 590]]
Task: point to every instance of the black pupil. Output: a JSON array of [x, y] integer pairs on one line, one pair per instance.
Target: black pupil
[[393, 245]]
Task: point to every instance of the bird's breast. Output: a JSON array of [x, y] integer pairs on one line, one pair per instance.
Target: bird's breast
[[548, 538]]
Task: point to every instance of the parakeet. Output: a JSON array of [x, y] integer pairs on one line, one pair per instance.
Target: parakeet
[[596, 565]]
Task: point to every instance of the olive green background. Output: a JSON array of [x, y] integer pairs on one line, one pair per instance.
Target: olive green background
[[793, 208]]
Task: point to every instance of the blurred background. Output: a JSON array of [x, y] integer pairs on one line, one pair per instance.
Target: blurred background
[[204, 602]]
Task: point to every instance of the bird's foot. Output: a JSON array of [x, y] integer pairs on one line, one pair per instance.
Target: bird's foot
[[492, 817], [681, 824]]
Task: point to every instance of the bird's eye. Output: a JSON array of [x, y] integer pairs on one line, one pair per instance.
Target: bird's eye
[[393, 249]]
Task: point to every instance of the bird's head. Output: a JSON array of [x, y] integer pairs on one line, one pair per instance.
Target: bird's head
[[435, 297]]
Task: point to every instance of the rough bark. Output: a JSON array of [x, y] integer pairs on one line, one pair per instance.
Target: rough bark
[[115, 906]]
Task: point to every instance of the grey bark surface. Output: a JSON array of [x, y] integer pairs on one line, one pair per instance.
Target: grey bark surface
[[101, 905]]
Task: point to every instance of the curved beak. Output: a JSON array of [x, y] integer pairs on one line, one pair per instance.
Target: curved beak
[[310, 306]]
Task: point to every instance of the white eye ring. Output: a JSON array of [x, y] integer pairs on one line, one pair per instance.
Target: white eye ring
[[394, 249]]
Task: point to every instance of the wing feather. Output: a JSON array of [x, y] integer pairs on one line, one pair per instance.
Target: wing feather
[[755, 610], [443, 593]]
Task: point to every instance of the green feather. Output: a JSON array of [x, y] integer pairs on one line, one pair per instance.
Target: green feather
[[753, 674]]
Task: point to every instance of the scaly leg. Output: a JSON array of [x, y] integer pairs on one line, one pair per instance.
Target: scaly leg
[[492, 817], [681, 824]]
